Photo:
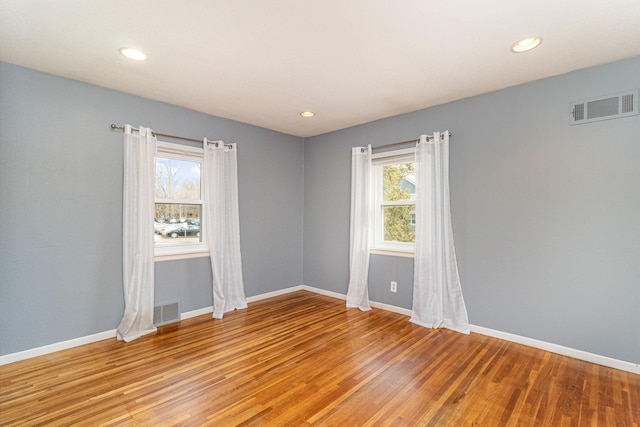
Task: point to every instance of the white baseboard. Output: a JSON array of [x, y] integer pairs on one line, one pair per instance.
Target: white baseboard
[[194, 313], [392, 308], [51, 348], [274, 293], [559, 349], [374, 304], [324, 292], [207, 310], [554, 348]]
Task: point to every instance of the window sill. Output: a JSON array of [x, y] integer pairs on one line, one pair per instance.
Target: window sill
[[389, 252], [181, 255]]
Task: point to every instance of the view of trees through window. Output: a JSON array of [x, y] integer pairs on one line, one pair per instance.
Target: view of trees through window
[[178, 206], [399, 219]]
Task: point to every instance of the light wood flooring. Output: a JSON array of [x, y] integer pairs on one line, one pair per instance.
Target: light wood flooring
[[303, 359]]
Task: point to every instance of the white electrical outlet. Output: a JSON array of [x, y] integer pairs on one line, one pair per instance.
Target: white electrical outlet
[[394, 286]]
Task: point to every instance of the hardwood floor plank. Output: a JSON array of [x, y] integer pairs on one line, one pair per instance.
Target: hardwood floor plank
[[303, 359]]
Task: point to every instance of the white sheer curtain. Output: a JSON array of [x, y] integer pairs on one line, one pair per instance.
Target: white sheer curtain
[[223, 226], [357, 293], [137, 238], [437, 295]]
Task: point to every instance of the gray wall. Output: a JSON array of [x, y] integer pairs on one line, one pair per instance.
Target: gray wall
[[61, 207], [546, 216]]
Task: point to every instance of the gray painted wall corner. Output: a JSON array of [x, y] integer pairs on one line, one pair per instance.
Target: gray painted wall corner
[[61, 204], [545, 215]]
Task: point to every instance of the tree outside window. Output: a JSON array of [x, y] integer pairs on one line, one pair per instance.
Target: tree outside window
[[394, 201], [399, 186], [179, 201]]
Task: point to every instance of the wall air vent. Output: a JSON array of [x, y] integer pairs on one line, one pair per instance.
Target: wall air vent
[[605, 107], [168, 312]]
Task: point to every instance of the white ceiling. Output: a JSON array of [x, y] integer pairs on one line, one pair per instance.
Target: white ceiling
[[262, 62]]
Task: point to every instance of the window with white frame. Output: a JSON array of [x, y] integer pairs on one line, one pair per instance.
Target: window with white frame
[[394, 201], [179, 200]]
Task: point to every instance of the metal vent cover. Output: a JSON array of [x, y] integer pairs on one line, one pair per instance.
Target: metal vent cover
[[167, 312], [578, 112], [628, 103], [605, 107]]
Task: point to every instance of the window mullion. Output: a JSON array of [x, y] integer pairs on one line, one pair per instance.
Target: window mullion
[[398, 202], [180, 201]]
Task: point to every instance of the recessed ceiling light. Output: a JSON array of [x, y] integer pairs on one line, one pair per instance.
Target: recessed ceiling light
[[133, 53], [526, 45], [307, 114]]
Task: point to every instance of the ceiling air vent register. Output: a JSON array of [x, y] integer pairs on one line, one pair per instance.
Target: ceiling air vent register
[[605, 107]]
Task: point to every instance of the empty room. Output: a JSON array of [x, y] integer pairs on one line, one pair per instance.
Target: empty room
[[338, 213]]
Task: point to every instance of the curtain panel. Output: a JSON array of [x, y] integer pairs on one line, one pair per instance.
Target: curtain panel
[[437, 294], [361, 199], [137, 237], [223, 226]]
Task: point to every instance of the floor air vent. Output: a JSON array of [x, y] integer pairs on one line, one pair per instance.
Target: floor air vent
[[165, 313], [605, 108]]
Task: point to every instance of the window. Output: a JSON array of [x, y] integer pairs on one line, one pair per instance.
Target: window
[[179, 201], [394, 201]]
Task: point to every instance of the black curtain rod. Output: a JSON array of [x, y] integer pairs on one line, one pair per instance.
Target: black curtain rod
[[170, 136]]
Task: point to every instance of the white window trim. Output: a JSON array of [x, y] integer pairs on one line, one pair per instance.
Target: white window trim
[[183, 250], [392, 252], [182, 255], [378, 245]]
